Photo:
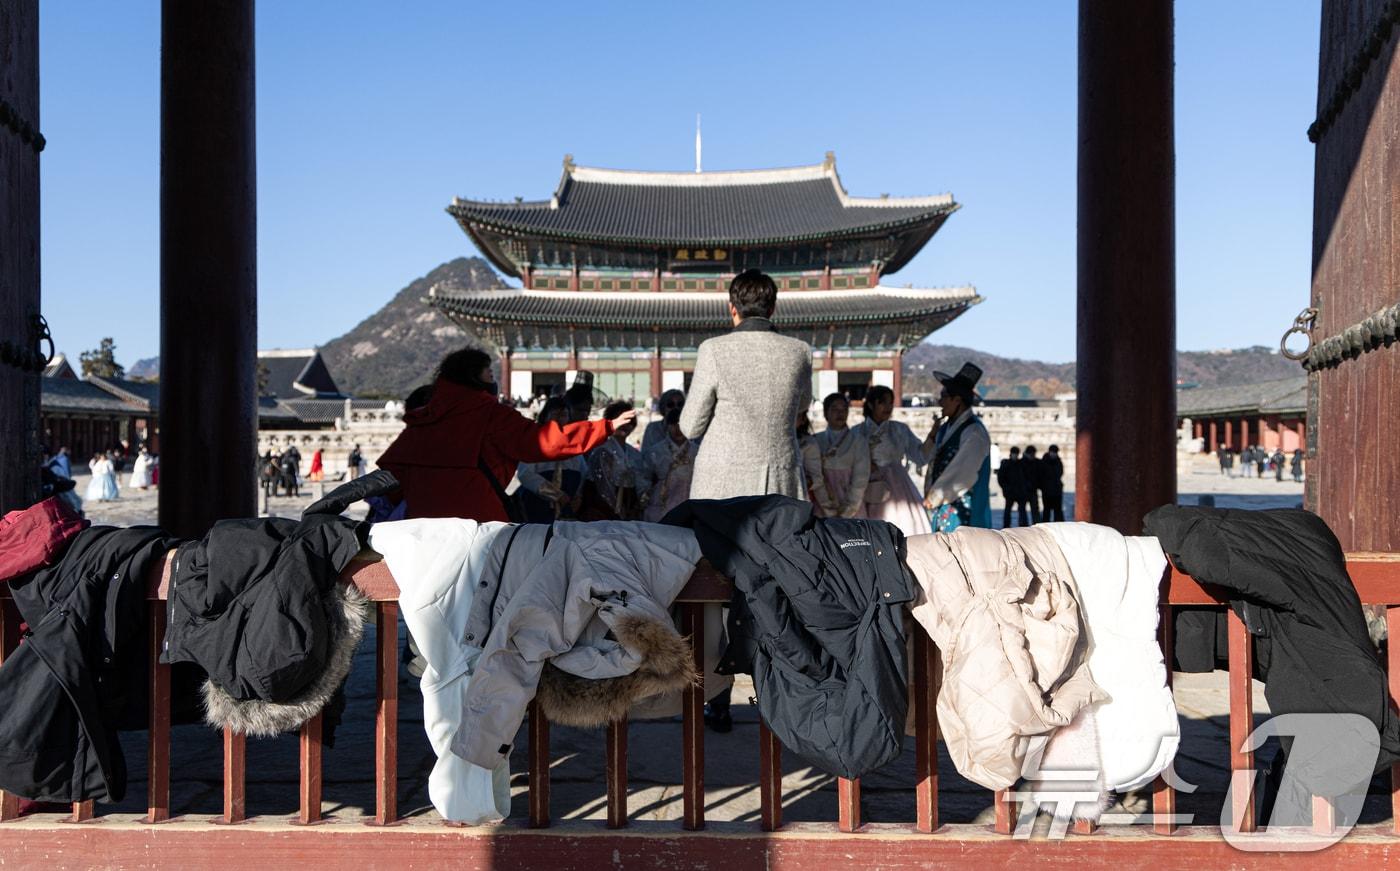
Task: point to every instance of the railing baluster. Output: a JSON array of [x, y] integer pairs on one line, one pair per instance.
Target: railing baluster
[[693, 722], [310, 758], [9, 640], [539, 767], [1241, 724], [235, 777], [770, 779], [925, 732], [1392, 661], [617, 773], [1163, 795], [82, 811], [386, 731], [158, 738], [848, 804], [1004, 822], [1324, 815]]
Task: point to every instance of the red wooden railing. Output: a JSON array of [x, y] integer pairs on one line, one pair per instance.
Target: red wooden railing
[[1376, 576]]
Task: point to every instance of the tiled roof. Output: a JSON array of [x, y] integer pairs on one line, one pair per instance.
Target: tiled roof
[[750, 207], [69, 394], [1284, 395], [296, 374], [696, 311]]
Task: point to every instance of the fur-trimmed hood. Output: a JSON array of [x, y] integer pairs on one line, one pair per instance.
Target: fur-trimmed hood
[[346, 611]]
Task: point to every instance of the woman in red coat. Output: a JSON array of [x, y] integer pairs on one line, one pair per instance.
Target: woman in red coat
[[457, 453]]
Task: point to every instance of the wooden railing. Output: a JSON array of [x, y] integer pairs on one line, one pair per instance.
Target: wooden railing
[[1376, 576]]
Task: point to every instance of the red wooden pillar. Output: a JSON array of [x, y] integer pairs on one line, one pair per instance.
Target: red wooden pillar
[[19, 240], [1126, 262], [656, 371], [208, 264], [898, 378], [1212, 441], [527, 277]]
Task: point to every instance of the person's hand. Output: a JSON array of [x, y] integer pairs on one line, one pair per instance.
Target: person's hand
[[928, 503], [627, 417]]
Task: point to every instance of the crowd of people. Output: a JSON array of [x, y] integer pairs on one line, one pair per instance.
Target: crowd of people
[[1260, 462], [104, 469], [1033, 487]]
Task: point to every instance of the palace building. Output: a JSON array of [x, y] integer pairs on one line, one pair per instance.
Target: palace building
[[623, 273]]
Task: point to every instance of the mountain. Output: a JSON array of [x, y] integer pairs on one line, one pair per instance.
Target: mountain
[[396, 348], [1014, 378], [144, 369]]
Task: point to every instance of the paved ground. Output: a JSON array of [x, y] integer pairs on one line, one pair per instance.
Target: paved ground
[[655, 769]]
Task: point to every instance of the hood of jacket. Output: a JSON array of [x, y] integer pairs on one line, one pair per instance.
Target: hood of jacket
[[257, 604], [1003, 608]]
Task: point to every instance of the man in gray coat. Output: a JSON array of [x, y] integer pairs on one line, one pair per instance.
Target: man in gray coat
[[747, 391]]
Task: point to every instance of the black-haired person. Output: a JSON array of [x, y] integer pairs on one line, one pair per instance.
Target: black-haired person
[[658, 430], [1297, 465], [456, 453], [891, 495], [845, 462], [614, 467], [552, 489], [1052, 485], [666, 469], [1011, 478], [1031, 464]]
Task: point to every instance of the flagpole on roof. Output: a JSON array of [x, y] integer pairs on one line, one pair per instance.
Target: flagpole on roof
[[697, 141]]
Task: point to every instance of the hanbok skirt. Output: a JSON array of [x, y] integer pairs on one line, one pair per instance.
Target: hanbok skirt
[[838, 485], [905, 507], [140, 476], [677, 492], [102, 488]]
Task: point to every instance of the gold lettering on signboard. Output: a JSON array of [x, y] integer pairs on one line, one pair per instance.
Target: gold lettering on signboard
[[682, 253]]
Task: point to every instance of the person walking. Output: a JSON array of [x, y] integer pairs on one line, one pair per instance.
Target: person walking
[[845, 462], [956, 488], [1278, 460], [1031, 464], [140, 471], [1052, 485], [1298, 465], [290, 463], [1261, 460], [1246, 461], [103, 485], [1223, 455], [1011, 478], [317, 471], [892, 495], [747, 392], [354, 464]]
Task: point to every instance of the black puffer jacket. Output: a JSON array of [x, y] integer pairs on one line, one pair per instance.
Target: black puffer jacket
[[81, 672], [256, 604], [816, 619], [1286, 577]]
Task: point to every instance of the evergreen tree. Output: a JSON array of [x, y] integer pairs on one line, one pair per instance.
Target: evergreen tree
[[102, 361]]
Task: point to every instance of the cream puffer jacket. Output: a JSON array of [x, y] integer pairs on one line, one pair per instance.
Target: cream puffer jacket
[[1003, 609]]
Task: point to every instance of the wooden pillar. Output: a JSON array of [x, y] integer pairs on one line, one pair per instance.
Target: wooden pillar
[[1126, 262], [208, 264], [1213, 440], [656, 375], [656, 280], [19, 262], [826, 277], [505, 390], [898, 379], [1229, 439]]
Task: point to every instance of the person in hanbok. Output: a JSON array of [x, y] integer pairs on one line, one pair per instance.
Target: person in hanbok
[[892, 495], [614, 467], [666, 468], [317, 471], [140, 471], [102, 487], [658, 430], [957, 488], [811, 456], [552, 490], [845, 459]]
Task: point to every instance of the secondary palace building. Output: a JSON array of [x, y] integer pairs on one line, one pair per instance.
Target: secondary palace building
[[624, 273]]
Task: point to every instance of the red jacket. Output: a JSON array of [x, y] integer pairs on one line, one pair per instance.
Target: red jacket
[[436, 458]]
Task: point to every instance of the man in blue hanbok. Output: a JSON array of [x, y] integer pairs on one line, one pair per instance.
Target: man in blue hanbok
[[957, 487]]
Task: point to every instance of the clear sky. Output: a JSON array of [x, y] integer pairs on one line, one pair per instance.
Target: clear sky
[[371, 116]]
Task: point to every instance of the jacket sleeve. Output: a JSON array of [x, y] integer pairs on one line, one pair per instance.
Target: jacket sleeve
[[704, 392], [961, 473], [523, 440], [812, 469]]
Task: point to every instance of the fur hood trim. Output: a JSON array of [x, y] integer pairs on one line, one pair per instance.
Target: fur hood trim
[[668, 665], [346, 612]]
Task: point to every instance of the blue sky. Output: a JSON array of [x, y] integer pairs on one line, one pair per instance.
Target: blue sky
[[371, 116]]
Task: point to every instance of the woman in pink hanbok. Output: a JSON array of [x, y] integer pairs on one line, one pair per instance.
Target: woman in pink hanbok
[[845, 463], [892, 495]]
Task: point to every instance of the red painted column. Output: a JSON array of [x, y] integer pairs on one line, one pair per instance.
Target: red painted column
[[1212, 441], [1229, 433], [208, 264], [898, 379], [656, 371], [19, 260], [1126, 262]]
